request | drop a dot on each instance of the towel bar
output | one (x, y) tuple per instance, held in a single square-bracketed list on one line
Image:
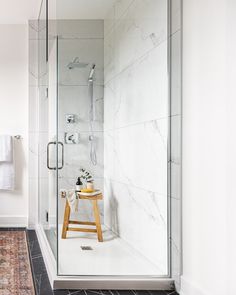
[(17, 137)]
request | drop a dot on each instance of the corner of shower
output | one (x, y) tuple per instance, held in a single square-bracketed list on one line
[(105, 160)]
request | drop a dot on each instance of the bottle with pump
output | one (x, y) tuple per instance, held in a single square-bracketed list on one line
[(79, 185)]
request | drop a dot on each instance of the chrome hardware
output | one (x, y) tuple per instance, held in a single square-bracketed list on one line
[(70, 118), (17, 137), (71, 137)]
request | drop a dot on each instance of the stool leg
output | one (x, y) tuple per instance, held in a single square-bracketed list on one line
[(97, 220), (66, 220)]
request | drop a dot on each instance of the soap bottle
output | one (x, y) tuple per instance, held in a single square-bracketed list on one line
[(79, 185)]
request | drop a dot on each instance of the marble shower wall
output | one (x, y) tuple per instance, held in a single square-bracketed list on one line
[(83, 39), (136, 126)]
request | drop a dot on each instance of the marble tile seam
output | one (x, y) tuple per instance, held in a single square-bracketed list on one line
[(136, 124), (118, 20), (137, 187), (135, 61)]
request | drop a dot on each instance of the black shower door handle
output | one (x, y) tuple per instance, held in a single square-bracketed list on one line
[(62, 157)]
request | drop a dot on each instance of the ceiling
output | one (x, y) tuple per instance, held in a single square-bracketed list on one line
[(18, 11)]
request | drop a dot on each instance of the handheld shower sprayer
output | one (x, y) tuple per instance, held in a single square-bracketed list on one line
[(90, 79)]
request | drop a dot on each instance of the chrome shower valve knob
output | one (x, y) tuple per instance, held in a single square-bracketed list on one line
[(91, 137), (70, 118), (71, 137)]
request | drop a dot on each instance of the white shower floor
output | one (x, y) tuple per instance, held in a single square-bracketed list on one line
[(111, 257)]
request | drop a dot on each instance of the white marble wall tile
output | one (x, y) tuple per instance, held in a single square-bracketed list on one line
[(42, 65), (89, 51), (110, 54), (137, 155), (80, 29), (77, 156), (118, 9), (143, 101), (109, 22), (33, 29), (33, 80), (33, 155), (140, 29), (121, 7), (33, 57), (109, 103), (33, 109), (43, 110), (42, 154), (175, 15), (76, 100), (129, 211), (136, 125)]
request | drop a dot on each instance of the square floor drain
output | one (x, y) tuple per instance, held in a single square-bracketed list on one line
[(86, 248)]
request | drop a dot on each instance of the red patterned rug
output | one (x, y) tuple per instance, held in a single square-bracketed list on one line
[(15, 270)]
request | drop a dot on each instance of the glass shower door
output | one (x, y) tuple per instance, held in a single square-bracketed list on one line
[(49, 148)]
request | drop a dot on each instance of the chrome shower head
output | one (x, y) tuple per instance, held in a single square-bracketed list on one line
[(76, 64)]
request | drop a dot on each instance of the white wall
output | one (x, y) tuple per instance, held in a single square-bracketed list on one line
[(209, 147), (14, 117)]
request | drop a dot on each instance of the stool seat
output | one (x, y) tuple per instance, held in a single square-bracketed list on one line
[(94, 199)]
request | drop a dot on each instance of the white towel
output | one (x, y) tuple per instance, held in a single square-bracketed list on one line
[(6, 148), (72, 200), (7, 169)]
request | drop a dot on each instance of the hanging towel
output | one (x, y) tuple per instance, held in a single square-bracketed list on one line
[(72, 200), (6, 148), (7, 169)]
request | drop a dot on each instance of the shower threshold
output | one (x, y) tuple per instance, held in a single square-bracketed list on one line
[(97, 282)]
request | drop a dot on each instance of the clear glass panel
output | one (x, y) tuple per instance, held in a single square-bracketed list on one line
[(113, 110), (47, 130)]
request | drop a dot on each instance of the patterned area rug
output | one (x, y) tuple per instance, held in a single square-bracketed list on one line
[(15, 270)]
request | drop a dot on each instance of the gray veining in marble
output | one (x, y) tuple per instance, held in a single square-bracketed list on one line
[(136, 126)]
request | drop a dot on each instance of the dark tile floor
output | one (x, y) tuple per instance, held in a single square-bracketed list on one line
[(42, 284)]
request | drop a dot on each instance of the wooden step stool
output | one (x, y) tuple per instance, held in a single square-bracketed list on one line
[(97, 222)]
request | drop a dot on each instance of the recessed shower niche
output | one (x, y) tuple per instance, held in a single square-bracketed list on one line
[(105, 158)]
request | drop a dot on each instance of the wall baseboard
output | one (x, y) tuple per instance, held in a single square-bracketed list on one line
[(13, 221), (188, 288)]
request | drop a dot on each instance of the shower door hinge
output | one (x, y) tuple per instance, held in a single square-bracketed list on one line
[(46, 93), (47, 216)]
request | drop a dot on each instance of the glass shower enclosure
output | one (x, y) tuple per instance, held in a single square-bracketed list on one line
[(104, 136)]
